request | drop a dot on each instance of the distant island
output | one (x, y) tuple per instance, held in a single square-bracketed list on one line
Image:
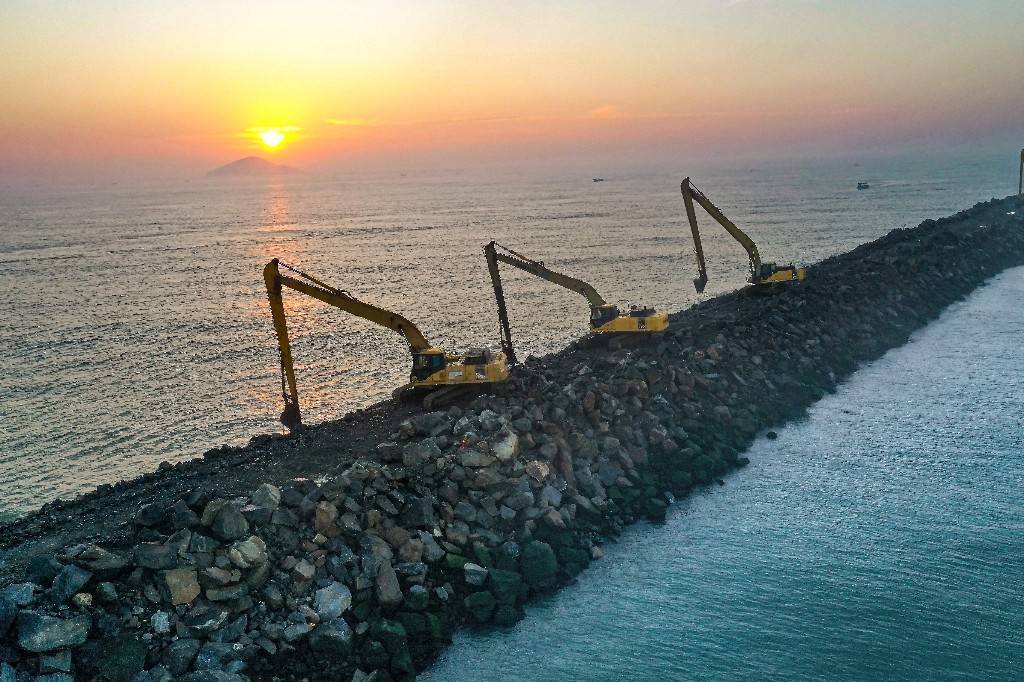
[(251, 166)]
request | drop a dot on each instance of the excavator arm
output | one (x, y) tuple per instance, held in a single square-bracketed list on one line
[(691, 194), (1020, 178), (306, 284), (517, 260)]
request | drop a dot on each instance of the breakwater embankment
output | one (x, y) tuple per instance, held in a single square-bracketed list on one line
[(405, 526)]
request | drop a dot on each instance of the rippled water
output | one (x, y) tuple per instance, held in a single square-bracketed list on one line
[(135, 327), (881, 538)]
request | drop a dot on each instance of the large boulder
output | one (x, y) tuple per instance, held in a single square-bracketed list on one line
[(40, 633), (479, 606), (229, 523), (538, 564)]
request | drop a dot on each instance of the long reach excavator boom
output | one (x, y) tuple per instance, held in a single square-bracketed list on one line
[(432, 367), (760, 273), (604, 317)]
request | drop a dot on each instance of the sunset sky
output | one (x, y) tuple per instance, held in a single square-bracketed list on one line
[(89, 85)]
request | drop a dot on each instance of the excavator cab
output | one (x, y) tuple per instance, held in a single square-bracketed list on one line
[(601, 315), (427, 363)]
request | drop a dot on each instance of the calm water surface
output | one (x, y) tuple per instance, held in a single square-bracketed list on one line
[(135, 326), (880, 538)]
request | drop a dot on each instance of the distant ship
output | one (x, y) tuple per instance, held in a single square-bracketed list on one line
[(863, 185), (598, 179)]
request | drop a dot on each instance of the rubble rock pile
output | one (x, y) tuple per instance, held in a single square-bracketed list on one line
[(461, 516)]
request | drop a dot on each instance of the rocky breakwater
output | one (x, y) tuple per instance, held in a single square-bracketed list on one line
[(461, 516)]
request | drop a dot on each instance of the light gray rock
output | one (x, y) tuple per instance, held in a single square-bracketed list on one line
[(389, 592), (332, 601), (248, 553), (474, 574), (20, 594), (39, 633), (267, 496)]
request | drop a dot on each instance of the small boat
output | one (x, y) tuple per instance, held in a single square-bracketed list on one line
[(598, 179), (863, 185)]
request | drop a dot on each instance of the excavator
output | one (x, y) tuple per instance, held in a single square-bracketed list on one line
[(605, 317), (442, 376), (761, 274)]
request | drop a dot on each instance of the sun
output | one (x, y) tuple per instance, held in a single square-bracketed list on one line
[(272, 138)]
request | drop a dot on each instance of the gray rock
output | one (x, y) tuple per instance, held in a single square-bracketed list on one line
[(506, 448), (179, 655), (55, 677), (332, 640), (551, 495), (420, 452), (39, 633), (68, 582), (465, 511), (8, 612), (202, 544), (267, 496), (106, 593), (203, 620), (42, 569), (161, 622), (331, 601), (97, 559), (418, 512), (303, 571), (474, 574), (20, 594), (471, 457), (296, 631), (248, 553), (149, 515), (432, 552), (7, 673), (389, 592), (57, 662), (155, 556), (229, 524)]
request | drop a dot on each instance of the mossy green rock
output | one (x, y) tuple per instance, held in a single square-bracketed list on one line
[(505, 585), (434, 626), (454, 562), (375, 655), (480, 606), (415, 624), (538, 564), (390, 632)]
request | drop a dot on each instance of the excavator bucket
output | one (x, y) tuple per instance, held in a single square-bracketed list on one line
[(700, 282), (291, 418)]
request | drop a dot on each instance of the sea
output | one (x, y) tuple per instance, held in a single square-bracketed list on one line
[(135, 327)]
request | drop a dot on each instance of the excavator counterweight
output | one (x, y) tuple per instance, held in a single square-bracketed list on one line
[(434, 370), (760, 273), (604, 317)]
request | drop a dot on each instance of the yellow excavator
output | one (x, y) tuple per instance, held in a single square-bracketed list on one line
[(443, 376), (605, 317), (761, 274)]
